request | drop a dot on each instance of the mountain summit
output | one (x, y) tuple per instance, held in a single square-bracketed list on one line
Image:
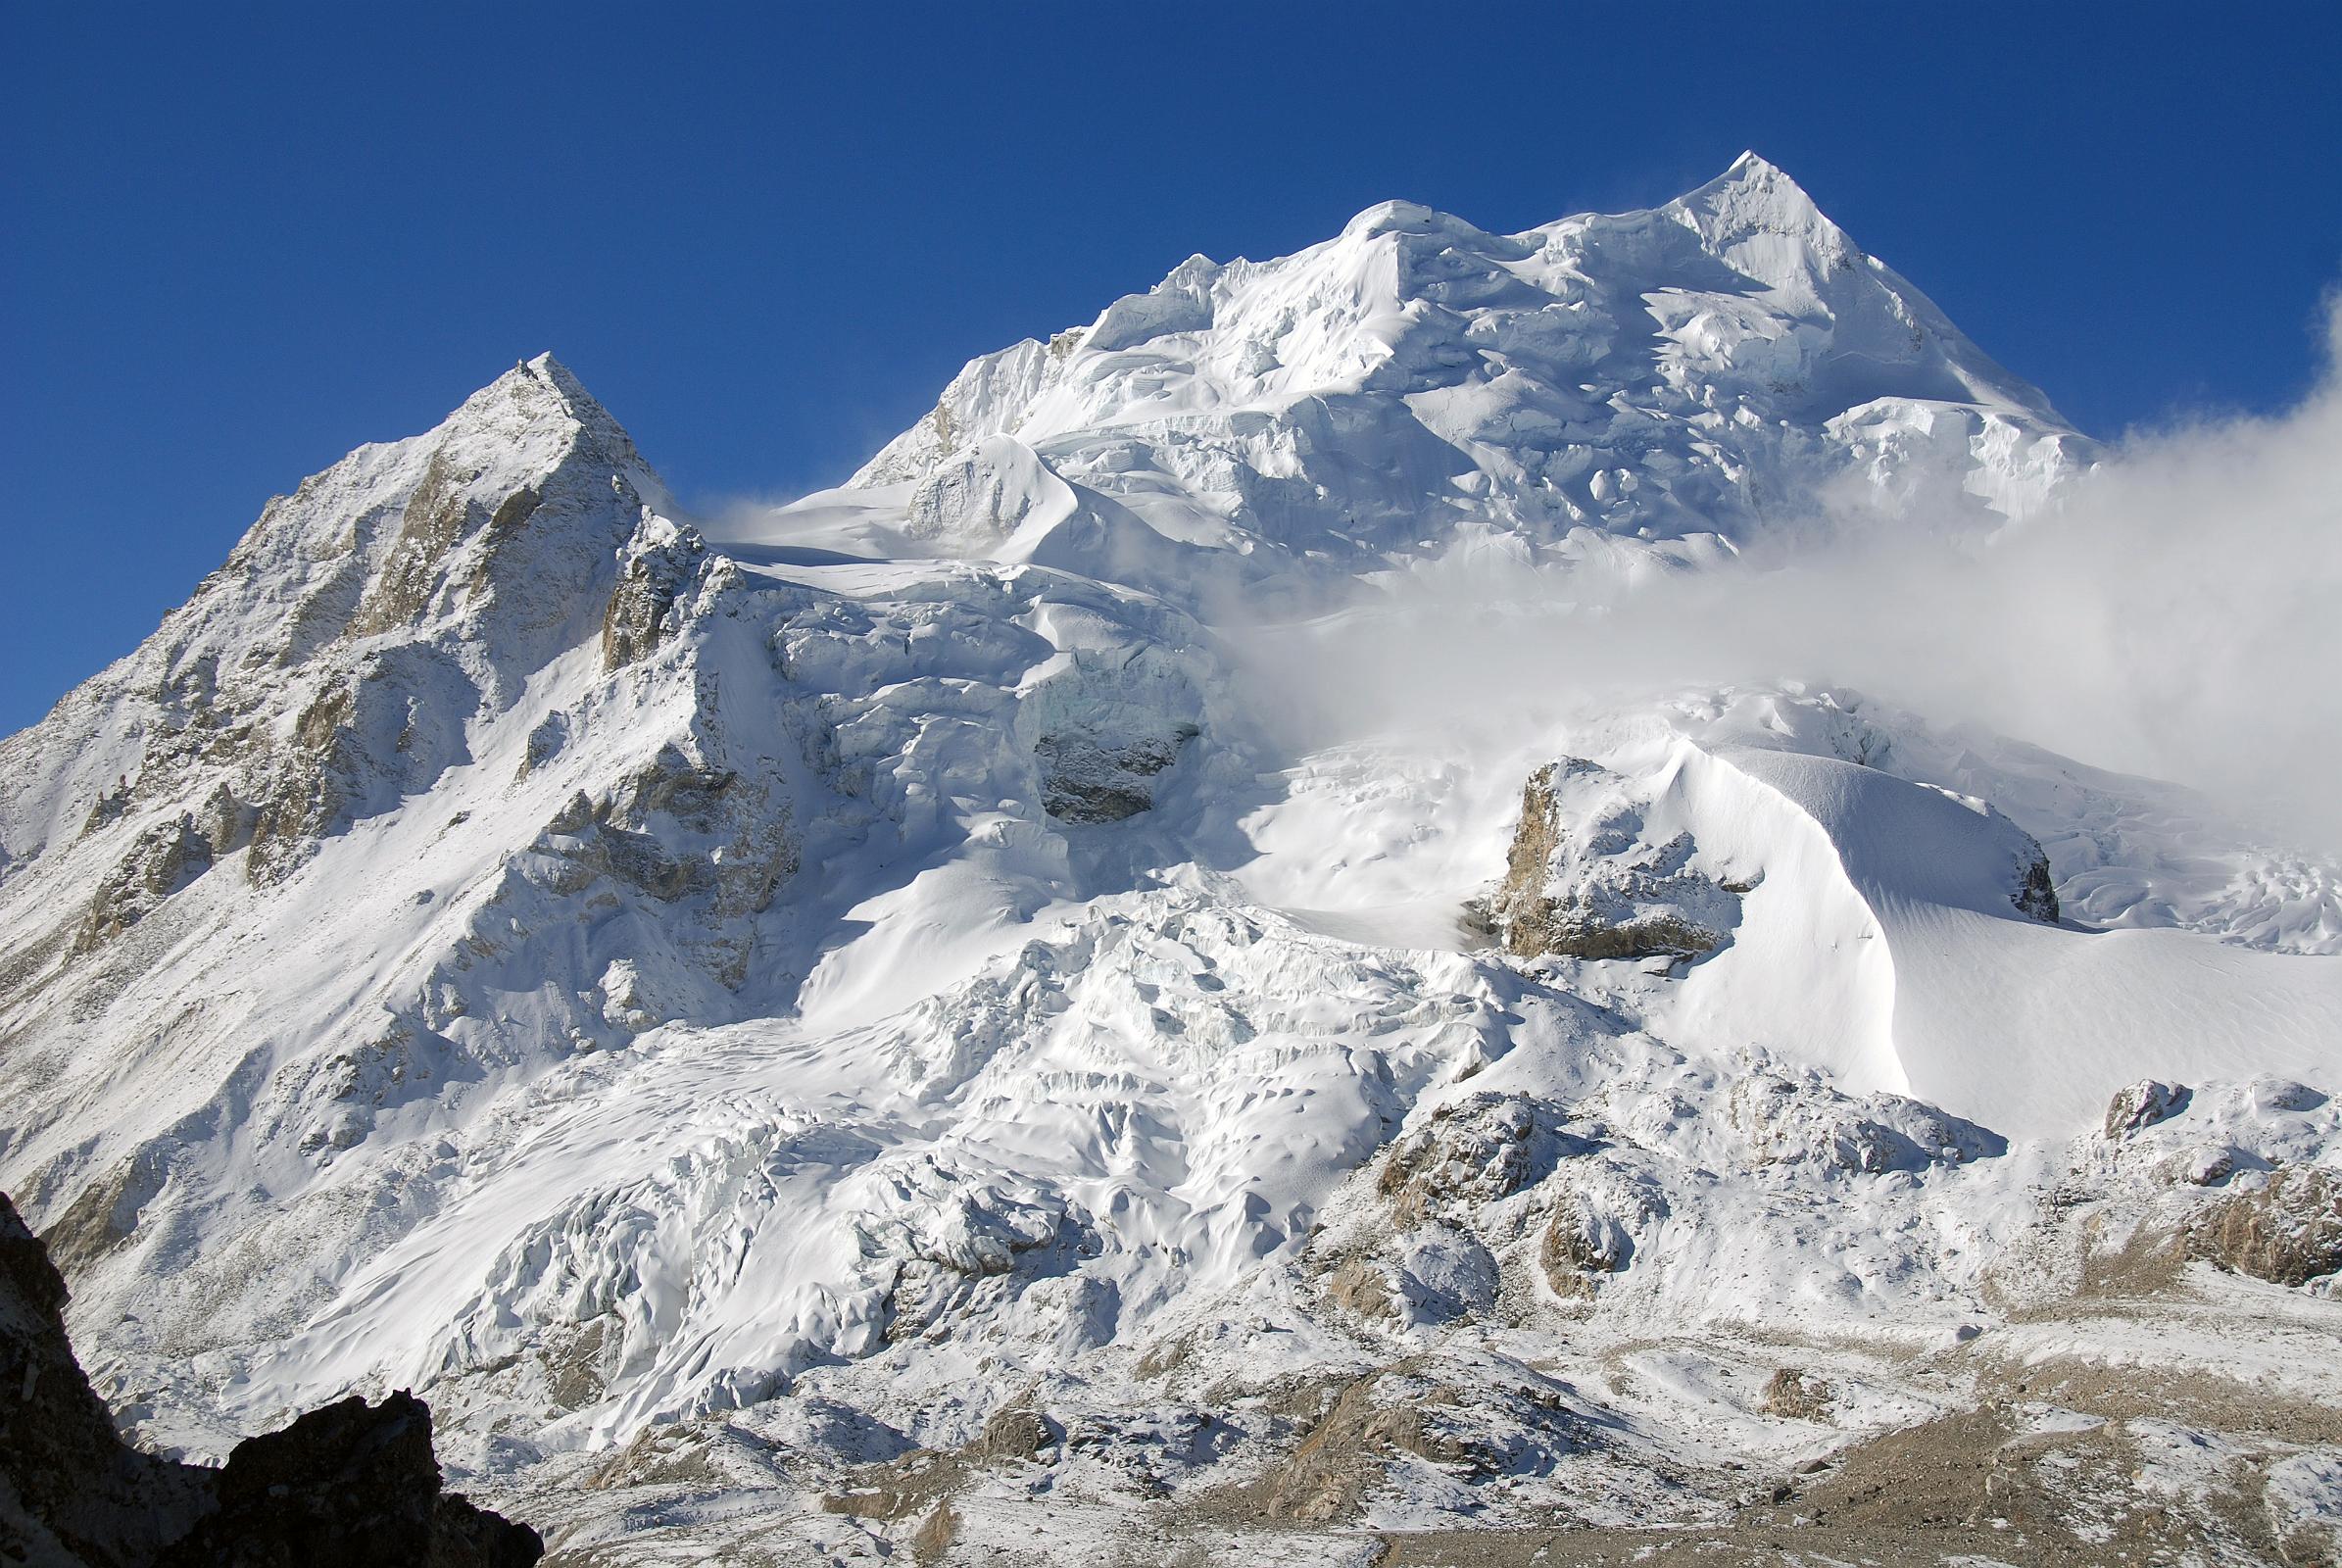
[(1417, 380), (868, 1029)]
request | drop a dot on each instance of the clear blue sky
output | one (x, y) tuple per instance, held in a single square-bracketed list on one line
[(241, 239)]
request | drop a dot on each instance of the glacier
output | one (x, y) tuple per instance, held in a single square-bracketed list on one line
[(860, 1027)]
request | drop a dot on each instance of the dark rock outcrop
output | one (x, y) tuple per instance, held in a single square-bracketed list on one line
[(653, 570), (1578, 1247), (1018, 1432), (70, 1490), (353, 1484), (1478, 1151), (2037, 893), (1085, 780)]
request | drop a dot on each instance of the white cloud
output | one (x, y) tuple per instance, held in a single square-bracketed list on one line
[(2178, 615)]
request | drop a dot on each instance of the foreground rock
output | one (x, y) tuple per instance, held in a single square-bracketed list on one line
[(352, 1484), (69, 1489)]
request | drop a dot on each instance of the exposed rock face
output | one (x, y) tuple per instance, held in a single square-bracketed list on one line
[(105, 1213), (307, 793), (2143, 1105), (1803, 1120), (327, 669), (1107, 728), (1487, 1147), (2289, 1231), (351, 1484), (1085, 781), (1359, 1285), (1583, 879), (1579, 1246), (1327, 1474), (1017, 1432), (680, 826), (653, 568), (1405, 1417), (163, 860), (2036, 892)]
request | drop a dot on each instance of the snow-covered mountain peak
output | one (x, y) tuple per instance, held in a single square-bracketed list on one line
[(1671, 379), (540, 414), (1409, 218), (887, 977), (336, 661), (1755, 196)]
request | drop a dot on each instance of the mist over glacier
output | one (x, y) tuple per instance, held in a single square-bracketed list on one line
[(2173, 612)]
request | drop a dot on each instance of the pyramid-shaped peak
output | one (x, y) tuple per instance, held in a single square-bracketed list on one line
[(542, 388), (1760, 219), (548, 369), (536, 414), (1754, 195), (546, 374), (1752, 164)]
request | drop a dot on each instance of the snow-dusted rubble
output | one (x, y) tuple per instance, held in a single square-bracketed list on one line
[(854, 1029)]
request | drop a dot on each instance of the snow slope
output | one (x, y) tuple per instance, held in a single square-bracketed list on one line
[(782, 994)]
